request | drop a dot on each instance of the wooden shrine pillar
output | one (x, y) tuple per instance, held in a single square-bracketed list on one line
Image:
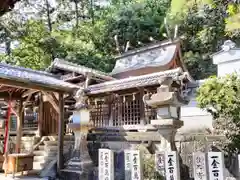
[(60, 133), (40, 116), (20, 119)]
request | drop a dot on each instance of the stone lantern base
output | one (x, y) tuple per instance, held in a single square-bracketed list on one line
[(80, 160), (167, 128)]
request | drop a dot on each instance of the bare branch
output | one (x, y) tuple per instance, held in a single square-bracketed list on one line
[(118, 49), (127, 46)]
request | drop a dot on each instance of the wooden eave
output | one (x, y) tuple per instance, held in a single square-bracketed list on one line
[(71, 68), (19, 77), (132, 82)]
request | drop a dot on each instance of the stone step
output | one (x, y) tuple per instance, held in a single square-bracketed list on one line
[(41, 147), (39, 153), (55, 148), (55, 143), (44, 160), (66, 137), (38, 165)]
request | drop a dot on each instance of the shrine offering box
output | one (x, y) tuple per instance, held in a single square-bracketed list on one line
[(19, 163)]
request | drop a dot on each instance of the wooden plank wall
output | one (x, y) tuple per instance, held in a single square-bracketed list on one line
[(50, 120)]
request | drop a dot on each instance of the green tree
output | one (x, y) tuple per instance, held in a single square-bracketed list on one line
[(221, 97), (32, 51)]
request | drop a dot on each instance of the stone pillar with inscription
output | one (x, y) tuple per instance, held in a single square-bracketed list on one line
[(216, 166), (105, 164), (200, 166), (136, 165), (167, 101), (160, 163), (172, 165), (127, 164)]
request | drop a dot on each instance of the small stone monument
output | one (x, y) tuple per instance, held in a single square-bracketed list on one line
[(200, 166), (160, 163), (105, 164), (172, 165), (127, 164), (216, 166), (136, 165)]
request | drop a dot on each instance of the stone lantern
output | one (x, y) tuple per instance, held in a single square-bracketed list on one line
[(167, 102), (80, 126)]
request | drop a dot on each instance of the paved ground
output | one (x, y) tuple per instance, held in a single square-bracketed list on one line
[(9, 177)]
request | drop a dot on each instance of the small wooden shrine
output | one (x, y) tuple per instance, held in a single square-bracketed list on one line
[(24, 89), (138, 103)]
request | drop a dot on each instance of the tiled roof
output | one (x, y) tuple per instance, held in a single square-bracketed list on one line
[(40, 78), (65, 65), (132, 82), (154, 55)]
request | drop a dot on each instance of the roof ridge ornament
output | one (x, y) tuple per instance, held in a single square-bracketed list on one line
[(227, 45)]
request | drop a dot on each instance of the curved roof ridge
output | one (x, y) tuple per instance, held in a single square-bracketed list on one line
[(66, 65)]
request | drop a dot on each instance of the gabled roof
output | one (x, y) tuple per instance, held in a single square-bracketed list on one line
[(36, 78), (132, 82), (157, 54), (155, 57), (68, 66)]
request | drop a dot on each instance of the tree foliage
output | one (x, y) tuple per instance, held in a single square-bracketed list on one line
[(221, 98), (83, 32)]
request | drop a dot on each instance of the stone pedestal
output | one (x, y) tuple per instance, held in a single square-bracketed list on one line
[(167, 129), (80, 160)]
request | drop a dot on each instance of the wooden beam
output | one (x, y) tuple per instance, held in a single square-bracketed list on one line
[(29, 93), (60, 133), (14, 96), (124, 136), (20, 117), (27, 85), (51, 100)]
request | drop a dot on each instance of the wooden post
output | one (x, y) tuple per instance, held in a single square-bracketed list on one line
[(60, 133), (40, 116), (20, 118), (142, 107)]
